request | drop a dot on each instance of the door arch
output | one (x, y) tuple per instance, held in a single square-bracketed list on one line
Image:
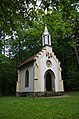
[(49, 81)]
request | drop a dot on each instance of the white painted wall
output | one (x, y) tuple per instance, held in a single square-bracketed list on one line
[(31, 77), (44, 68)]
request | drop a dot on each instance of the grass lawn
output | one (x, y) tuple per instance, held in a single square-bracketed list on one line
[(40, 108)]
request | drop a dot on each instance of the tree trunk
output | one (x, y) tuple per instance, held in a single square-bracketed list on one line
[(77, 55)]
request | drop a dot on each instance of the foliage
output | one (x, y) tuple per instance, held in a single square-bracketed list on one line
[(13, 13), (26, 42), (7, 76), (36, 108)]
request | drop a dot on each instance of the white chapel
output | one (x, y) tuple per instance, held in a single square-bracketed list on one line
[(40, 75)]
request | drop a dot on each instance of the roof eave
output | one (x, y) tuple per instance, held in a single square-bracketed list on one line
[(26, 63)]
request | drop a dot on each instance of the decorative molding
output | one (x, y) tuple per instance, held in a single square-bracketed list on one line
[(49, 55)]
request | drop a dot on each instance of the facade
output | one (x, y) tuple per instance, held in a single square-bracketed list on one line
[(40, 75)]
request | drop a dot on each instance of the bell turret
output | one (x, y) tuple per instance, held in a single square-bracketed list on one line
[(46, 39)]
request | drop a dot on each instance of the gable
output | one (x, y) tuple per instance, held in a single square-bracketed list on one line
[(46, 54)]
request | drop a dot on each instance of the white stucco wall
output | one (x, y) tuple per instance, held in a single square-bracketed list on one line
[(39, 85), (44, 68), (22, 79)]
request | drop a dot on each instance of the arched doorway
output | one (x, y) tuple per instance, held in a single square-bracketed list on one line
[(49, 81)]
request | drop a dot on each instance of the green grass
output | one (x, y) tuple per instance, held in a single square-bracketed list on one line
[(40, 108)]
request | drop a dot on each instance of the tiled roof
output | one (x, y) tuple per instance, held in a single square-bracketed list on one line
[(29, 60)]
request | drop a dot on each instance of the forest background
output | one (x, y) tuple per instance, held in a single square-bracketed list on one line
[(21, 26)]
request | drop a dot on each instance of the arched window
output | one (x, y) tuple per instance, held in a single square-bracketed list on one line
[(27, 78)]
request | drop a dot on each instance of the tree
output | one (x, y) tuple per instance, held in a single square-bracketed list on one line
[(7, 76), (12, 13)]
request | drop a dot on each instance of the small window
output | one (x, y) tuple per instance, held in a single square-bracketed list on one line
[(27, 78), (48, 63)]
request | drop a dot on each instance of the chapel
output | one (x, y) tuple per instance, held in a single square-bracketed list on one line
[(40, 75)]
